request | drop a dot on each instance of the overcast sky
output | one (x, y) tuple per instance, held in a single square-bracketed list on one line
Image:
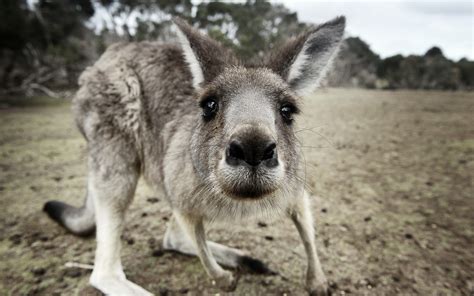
[(406, 27)]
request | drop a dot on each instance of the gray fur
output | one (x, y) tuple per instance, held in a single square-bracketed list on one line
[(138, 109)]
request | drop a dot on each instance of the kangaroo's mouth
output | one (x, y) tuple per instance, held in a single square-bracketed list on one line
[(248, 192), (244, 184)]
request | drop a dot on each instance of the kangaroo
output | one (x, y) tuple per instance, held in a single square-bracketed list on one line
[(214, 133)]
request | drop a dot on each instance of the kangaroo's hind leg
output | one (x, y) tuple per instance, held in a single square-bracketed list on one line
[(113, 173)]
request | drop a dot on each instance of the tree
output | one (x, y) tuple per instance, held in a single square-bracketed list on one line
[(36, 41), (149, 18), (251, 28)]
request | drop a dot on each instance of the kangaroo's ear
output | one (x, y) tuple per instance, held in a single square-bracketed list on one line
[(304, 60), (206, 57)]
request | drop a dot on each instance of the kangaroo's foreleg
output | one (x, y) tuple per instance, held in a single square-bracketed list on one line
[(177, 240), (316, 282), (194, 228)]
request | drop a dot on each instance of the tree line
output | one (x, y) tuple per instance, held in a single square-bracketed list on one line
[(45, 44)]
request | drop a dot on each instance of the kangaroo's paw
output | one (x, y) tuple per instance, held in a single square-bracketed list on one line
[(317, 287), (227, 281), (116, 286)]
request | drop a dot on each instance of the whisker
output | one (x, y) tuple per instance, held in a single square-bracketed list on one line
[(325, 138)]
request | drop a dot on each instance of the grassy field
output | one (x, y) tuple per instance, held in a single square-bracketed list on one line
[(391, 175)]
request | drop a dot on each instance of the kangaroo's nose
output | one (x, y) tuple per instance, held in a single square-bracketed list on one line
[(252, 152)]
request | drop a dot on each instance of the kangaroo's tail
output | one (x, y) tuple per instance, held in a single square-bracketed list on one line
[(79, 221)]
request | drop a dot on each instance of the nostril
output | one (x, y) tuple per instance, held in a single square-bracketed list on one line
[(269, 152), (236, 150)]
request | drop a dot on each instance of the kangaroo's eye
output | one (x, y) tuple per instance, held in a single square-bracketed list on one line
[(286, 112), (209, 108)]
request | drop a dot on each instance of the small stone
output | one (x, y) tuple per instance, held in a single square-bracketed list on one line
[(429, 183), (73, 272), (344, 227), (151, 241), (326, 243), (262, 224), (152, 200), (38, 271), (367, 219), (324, 210), (269, 238), (144, 214), (408, 236), (163, 292), (130, 241), (48, 246), (16, 239), (427, 245), (12, 223), (265, 282), (370, 283), (57, 179), (35, 244), (157, 253)]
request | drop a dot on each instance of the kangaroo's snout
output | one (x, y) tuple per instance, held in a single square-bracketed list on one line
[(251, 151), (251, 145)]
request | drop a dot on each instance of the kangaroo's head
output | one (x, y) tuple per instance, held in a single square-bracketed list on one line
[(244, 145)]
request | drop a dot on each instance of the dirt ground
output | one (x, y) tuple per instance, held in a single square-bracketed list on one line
[(391, 175)]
